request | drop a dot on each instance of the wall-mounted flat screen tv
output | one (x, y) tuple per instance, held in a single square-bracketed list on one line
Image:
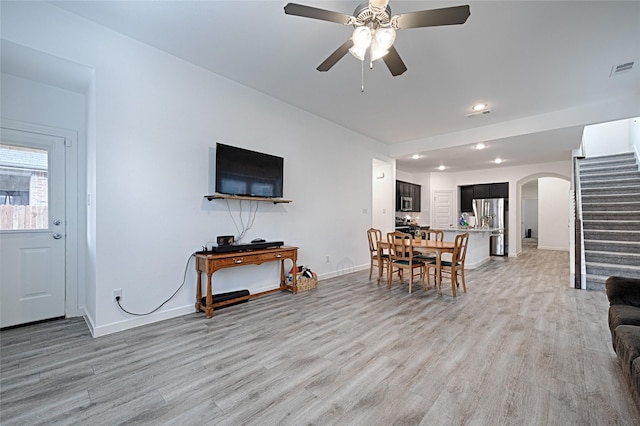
[(248, 173)]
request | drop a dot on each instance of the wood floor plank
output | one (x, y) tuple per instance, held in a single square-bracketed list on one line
[(519, 348)]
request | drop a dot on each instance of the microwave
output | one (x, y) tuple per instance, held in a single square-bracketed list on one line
[(406, 204)]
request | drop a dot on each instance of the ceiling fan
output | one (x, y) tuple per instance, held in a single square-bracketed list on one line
[(374, 29)]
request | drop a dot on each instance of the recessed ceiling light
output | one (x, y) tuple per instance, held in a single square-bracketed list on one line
[(480, 146), (442, 167), (479, 107), (498, 160), (416, 156)]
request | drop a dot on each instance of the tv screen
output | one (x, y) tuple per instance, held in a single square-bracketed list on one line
[(248, 173)]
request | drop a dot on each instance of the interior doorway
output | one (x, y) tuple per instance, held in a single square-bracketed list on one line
[(383, 193), (529, 229), (549, 195)]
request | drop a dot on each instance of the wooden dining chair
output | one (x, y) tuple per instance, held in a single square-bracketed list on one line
[(432, 235), (402, 258), (454, 268), (379, 258)]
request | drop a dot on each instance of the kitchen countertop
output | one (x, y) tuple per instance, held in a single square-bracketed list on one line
[(463, 229)]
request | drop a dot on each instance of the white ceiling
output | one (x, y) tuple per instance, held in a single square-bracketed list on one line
[(529, 60)]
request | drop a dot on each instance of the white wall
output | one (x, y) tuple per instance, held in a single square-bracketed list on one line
[(634, 136), (152, 122), (607, 138), (553, 214), (383, 202)]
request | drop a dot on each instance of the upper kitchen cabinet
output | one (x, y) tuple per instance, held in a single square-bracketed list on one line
[(482, 191), (486, 190), (407, 196), (415, 195), (466, 199), (500, 190)]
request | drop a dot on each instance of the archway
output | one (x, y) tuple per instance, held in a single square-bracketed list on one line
[(519, 184)]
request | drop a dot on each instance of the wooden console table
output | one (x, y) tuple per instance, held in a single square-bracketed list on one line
[(212, 262)]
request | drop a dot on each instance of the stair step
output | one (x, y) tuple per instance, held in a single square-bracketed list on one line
[(606, 216), (609, 183), (595, 282), (611, 207), (597, 234), (611, 198), (611, 225), (608, 169), (612, 190), (612, 246), (587, 177), (607, 162), (606, 269), (625, 156), (627, 259)]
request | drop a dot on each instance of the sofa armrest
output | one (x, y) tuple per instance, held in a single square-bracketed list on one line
[(623, 291)]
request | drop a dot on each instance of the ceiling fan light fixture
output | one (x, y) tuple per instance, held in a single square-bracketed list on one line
[(358, 52), (385, 37), (361, 37), (377, 53)]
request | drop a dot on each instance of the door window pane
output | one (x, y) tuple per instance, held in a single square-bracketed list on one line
[(24, 188)]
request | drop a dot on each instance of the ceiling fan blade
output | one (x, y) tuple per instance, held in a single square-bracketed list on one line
[(394, 62), (335, 56), (315, 13), (434, 17)]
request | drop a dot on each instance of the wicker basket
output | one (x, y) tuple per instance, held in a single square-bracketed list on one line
[(304, 283)]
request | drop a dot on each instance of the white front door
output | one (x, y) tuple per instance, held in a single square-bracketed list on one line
[(32, 227), (443, 216)]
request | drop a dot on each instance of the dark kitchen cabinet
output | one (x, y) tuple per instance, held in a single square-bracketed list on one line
[(482, 191), (402, 190), (411, 190), (415, 195), (500, 190), (486, 190), (466, 199)]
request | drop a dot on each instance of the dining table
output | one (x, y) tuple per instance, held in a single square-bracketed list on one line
[(423, 245)]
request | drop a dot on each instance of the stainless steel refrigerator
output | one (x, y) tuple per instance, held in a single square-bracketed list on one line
[(492, 213)]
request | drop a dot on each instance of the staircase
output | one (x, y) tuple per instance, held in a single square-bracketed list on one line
[(610, 191)]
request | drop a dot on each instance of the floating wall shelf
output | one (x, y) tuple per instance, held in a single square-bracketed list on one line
[(239, 197)]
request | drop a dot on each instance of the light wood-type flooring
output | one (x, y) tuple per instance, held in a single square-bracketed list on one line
[(520, 348)]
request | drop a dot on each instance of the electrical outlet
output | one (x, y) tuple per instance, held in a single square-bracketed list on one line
[(328, 259), (117, 293)]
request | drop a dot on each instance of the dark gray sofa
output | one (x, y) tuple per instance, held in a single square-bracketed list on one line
[(624, 323)]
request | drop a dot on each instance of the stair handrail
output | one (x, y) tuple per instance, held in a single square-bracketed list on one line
[(579, 260)]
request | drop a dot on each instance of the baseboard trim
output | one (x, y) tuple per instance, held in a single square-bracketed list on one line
[(137, 322), (553, 248)]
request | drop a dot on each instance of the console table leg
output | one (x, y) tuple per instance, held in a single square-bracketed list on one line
[(198, 289), (209, 307)]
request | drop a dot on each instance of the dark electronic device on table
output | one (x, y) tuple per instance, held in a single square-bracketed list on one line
[(242, 247)]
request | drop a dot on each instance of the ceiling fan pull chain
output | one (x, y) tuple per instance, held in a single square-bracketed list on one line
[(362, 76)]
